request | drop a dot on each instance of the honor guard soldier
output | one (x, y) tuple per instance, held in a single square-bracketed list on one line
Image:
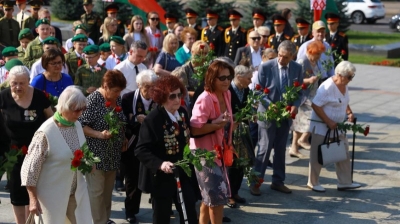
[(91, 20), (303, 35), (275, 39), (191, 17), (336, 39), (9, 27), (258, 20), (75, 59), (213, 34), (23, 12), (235, 36), (89, 75), (170, 21), (25, 36), (8, 54), (34, 50), (31, 20), (112, 11)]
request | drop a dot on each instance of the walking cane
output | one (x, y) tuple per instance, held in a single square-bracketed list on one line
[(352, 153), (178, 185)]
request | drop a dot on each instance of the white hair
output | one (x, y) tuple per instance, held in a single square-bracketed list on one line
[(70, 99), (263, 29), (345, 68), (146, 76), (241, 70), (18, 71)]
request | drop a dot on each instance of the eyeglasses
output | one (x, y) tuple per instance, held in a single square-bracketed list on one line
[(264, 36), (174, 96), (255, 38), (225, 77), (80, 110), (155, 19), (350, 77), (56, 63)]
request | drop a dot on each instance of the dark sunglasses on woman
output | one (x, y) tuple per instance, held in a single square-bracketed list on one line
[(174, 96), (225, 77)]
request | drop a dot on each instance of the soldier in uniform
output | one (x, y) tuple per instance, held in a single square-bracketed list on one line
[(258, 20), (91, 20), (23, 12), (275, 39), (9, 27), (234, 36), (170, 21), (112, 11), (336, 39), (74, 59), (191, 17), (24, 37), (89, 75), (8, 54), (34, 49), (213, 34), (31, 20), (303, 35)]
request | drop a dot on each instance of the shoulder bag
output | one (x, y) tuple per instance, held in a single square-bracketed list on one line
[(331, 152)]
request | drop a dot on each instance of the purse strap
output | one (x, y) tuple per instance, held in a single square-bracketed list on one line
[(326, 139)]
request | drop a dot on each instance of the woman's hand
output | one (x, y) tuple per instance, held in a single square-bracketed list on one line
[(140, 118), (104, 135), (350, 117), (313, 79), (34, 206), (222, 119), (331, 124), (125, 145), (166, 167)]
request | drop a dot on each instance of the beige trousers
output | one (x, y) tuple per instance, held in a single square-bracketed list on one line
[(343, 168), (100, 186)]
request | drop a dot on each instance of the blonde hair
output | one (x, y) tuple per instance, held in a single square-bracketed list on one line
[(170, 37), (106, 34), (196, 50), (133, 20)]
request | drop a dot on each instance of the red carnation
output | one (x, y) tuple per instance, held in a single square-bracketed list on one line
[(157, 35), (24, 150), (118, 109), (212, 46), (343, 52), (266, 90), (79, 62), (201, 46), (258, 87), (366, 131), (296, 83), (293, 115), (78, 154), (288, 107), (304, 86), (76, 162), (108, 104)]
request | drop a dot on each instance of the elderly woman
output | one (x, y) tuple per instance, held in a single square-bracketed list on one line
[(52, 80), (166, 61), (135, 105), (212, 124), (163, 136), (330, 106), (188, 36), (104, 145), (54, 189), (24, 109), (155, 37), (301, 125)]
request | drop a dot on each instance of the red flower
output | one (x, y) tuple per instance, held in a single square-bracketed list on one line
[(343, 52), (24, 150), (296, 83), (78, 154), (258, 87), (157, 35), (218, 149), (304, 86), (288, 108), (261, 180), (79, 62), (293, 115), (257, 185), (15, 147), (212, 46), (118, 109), (366, 131), (266, 90), (46, 94), (201, 46), (333, 45), (76, 162), (182, 102), (108, 104)]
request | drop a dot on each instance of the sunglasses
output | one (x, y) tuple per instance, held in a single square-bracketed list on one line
[(350, 77), (225, 77), (80, 109), (174, 96), (255, 38), (155, 19)]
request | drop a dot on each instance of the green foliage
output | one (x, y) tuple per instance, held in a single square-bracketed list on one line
[(269, 9), (9, 160), (195, 158), (303, 10), (204, 62), (67, 10), (87, 161), (220, 8), (124, 12), (175, 7), (344, 23)]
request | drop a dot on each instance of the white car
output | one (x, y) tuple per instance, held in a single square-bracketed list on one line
[(365, 10)]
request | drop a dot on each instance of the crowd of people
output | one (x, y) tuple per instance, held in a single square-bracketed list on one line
[(147, 78)]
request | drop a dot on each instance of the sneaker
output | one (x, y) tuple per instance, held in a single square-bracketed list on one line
[(343, 187)]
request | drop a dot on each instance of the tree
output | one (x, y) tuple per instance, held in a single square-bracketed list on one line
[(124, 12), (344, 24), (67, 10), (220, 8), (269, 10), (175, 7)]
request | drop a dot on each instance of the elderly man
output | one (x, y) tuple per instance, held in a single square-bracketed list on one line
[(131, 67), (318, 31), (264, 32), (251, 53), (276, 75)]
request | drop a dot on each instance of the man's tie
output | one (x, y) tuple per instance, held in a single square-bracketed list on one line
[(22, 18), (137, 70), (284, 79), (332, 37)]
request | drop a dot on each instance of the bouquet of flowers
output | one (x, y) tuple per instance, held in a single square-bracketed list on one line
[(195, 158), (84, 160), (113, 121), (204, 62), (356, 128), (10, 159), (247, 112), (53, 99)]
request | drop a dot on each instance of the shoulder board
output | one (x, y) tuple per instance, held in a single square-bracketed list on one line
[(229, 28), (220, 28), (206, 28), (199, 27), (287, 36), (342, 34), (243, 30), (295, 36)]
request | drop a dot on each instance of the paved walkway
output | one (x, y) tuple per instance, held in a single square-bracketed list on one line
[(375, 99)]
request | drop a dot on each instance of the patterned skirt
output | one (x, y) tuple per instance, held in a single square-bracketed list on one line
[(302, 122)]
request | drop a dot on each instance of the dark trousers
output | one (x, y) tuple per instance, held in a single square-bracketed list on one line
[(130, 165), (235, 175), (254, 132)]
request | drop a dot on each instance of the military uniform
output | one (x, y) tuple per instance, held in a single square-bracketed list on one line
[(86, 76), (29, 22), (93, 22), (169, 18), (339, 44), (73, 62), (21, 53), (190, 13), (9, 30), (296, 39), (199, 29), (215, 37), (234, 39), (302, 25), (273, 42)]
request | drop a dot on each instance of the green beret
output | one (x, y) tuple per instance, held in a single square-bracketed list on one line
[(81, 26), (35, 4), (80, 38), (105, 47), (51, 40), (117, 39), (13, 62), (42, 21), (9, 51), (91, 49), (25, 33)]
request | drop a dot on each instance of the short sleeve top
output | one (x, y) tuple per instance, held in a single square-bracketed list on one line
[(54, 88), (167, 61)]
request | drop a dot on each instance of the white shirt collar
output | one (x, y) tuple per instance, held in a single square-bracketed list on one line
[(174, 117), (77, 54), (252, 50), (280, 66), (186, 49)]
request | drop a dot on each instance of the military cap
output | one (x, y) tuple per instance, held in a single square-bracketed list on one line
[(113, 8), (332, 17), (211, 13), (117, 39), (258, 14), (105, 47), (318, 25), (20, 1), (25, 33), (91, 49), (278, 19), (8, 4), (81, 26), (233, 14), (170, 18), (302, 23), (42, 21), (36, 4), (11, 63), (80, 38), (51, 40), (190, 13), (87, 2), (9, 51)]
